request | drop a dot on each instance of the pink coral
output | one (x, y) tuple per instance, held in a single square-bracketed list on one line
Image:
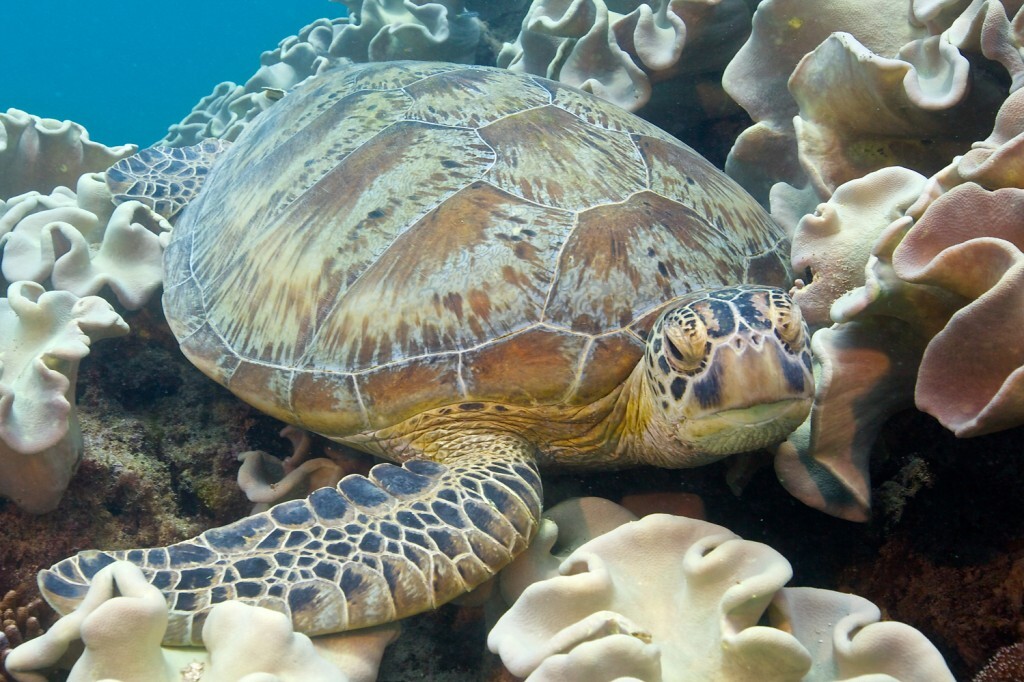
[(970, 242)]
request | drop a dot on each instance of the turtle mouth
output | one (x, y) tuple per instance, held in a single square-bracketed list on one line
[(743, 429), (763, 413)]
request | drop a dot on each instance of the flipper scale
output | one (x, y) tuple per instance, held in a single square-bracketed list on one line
[(402, 540)]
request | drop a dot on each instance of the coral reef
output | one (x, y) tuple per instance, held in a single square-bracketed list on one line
[(1006, 666), (266, 480), (43, 337), (619, 50), (863, 133), (226, 111), (378, 30), (58, 226), (710, 606), (858, 109), (41, 154), (942, 274), (969, 244), (79, 244), (79, 241), (841, 89), (386, 30), (20, 623), (123, 618)]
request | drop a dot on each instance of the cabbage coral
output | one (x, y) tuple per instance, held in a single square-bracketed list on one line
[(672, 598)]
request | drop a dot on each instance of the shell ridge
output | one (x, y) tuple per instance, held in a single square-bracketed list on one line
[(649, 170), (539, 324), (517, 112), (362, 403), (546, 86), (580, 366), (558, 266), (455, 69), (463, 391)]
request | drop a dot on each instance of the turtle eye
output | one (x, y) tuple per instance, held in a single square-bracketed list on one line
[(788, 321), (686, 340)]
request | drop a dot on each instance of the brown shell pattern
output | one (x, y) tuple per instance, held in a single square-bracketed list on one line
[(395, 237)]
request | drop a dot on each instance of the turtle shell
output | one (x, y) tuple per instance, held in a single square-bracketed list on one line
[(391, 238)]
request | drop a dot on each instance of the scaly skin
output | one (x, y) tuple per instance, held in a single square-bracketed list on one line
[(374, 549)]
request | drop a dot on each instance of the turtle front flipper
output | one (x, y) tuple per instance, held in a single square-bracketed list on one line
[(402, 540), (164, 178)]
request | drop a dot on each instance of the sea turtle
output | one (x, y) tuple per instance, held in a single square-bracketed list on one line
[(473, 273)]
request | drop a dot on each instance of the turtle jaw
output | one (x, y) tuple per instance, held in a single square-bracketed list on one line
[(744, 429)]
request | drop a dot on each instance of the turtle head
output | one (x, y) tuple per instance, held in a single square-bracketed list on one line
[(725, 371)]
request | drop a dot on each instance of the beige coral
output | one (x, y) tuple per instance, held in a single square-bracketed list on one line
[(43, 337), (618, 55), (267, 481), (970, 242), (833, 243), (226, 112), (379, 30), (386, 30), (838, 90), (122, 620), (42, 154), (930, 282), (672, 598), (860, 111), (936, 314), (864, 373), (80, 242)]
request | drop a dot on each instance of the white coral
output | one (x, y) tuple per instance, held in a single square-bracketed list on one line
[(839, 89), (43, 153), (123, 618), (379, 30), (43, 336), (79, 242), (227, 111), (387, 30), (615, 55), (672, 598)]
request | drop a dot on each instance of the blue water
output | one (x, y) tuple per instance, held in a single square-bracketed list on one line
[(127, 70)]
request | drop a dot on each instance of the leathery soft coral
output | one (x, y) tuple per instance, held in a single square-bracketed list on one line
[(378, 30), (839, 89), (672, 598), (226, 111), (42, 153), (935, 316), (58, 224), (618, 55), (79, 241), (122, 620), (385, 30), (43, 337)]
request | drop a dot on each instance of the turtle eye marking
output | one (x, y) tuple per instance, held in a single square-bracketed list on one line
[(789, 322), (686, 341)]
